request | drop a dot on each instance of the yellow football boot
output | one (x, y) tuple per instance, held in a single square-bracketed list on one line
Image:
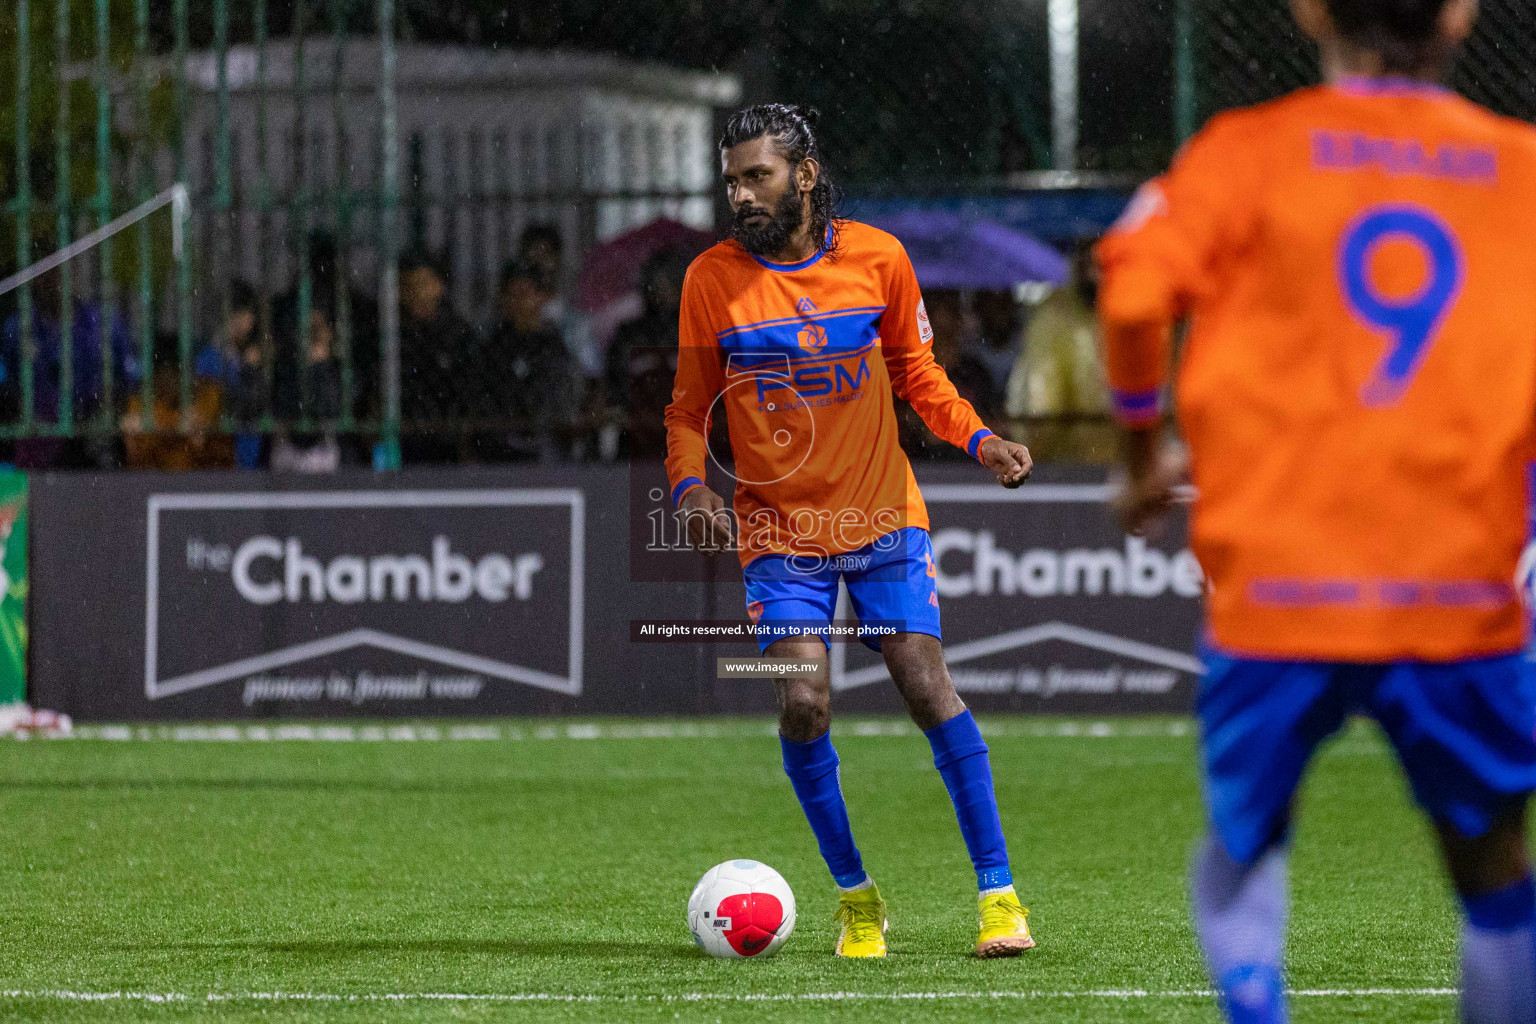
[(862, 914), (1004, 926)]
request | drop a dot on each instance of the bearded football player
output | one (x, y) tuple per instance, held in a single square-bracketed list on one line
[(799, 329)]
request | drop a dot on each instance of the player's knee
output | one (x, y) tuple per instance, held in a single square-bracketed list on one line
[(804, 716), (805, 710), (930, 696), (931, 708), (924, 683)]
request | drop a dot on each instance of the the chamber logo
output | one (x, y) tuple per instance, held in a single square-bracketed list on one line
[(244, 587), (1051, 602), (266, 570)]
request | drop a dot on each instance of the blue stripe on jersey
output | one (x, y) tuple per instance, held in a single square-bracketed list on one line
[(823, 336), (1136, 407), (799, 318)]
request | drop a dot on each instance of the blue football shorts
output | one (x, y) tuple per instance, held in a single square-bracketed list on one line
[(892, 583), (1464, 732)]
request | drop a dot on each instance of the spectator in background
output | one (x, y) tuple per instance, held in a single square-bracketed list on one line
[(308, 403), (642, 360), (1059, 372), (951, 328), (436, 351), (235, 359), (543, 245), (363, 314), (219, 358), (999, 336), (524, 372), (173, 439), (88, 389), (970, 376)]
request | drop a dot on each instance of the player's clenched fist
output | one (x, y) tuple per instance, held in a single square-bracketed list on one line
[(706, 520), (1010, 462)]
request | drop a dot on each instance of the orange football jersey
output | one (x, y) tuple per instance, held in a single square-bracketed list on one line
[(802, 360), (1358, 385)]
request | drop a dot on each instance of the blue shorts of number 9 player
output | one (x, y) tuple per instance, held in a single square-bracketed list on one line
[(891, 582), (1465, 733)]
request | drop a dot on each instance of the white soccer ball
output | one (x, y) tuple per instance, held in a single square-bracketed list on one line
[(741, 909)]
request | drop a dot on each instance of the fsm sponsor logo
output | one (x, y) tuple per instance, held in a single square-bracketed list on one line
[(811, 382)]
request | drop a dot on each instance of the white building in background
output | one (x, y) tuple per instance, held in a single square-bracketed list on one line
[(490, 141)]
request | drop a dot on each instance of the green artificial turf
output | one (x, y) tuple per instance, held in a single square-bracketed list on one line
[(532, 866)]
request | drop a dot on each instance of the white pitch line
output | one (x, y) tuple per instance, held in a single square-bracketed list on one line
[(66, 995)]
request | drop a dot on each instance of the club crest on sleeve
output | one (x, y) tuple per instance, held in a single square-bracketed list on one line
[(924, 328)]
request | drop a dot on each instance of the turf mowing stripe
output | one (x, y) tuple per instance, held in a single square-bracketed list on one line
[(65, 995), (416, 733)]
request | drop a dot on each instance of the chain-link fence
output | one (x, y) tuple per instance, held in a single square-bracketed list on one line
[(356, 213), (347, 168), (1237, 52)]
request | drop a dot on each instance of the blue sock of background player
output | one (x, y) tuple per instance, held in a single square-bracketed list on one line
[(1498, 956), (1240, 913), (1240, 917)]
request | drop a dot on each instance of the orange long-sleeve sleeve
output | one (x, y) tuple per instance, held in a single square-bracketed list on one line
[(906, 342), (700, 377), (1167, 251)]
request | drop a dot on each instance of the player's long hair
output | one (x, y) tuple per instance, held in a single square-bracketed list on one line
[(1405, 32), (793, 129)]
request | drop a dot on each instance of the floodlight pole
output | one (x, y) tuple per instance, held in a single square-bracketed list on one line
[(1062, 16), (388, 454), (1185, 102)]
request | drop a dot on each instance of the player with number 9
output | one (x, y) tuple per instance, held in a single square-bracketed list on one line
[(1357, 391)]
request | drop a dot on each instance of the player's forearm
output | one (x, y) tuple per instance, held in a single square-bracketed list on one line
[(695, 390), (1139, 449), (934, 398), (1136, 355)]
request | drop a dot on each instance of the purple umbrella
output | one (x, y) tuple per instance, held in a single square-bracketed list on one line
[(950, 251)]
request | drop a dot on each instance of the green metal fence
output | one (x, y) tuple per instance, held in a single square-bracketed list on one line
[(94, 83), (1236, 52), (278, 133), (280, 136)]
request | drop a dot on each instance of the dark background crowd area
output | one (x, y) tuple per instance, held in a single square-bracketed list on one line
[(529, 384)]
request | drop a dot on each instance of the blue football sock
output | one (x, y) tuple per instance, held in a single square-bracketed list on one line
[(1498, 956), (960, 755), (1240, 917), (812, 770)]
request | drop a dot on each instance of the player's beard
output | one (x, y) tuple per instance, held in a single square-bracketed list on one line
[(769, 238)]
